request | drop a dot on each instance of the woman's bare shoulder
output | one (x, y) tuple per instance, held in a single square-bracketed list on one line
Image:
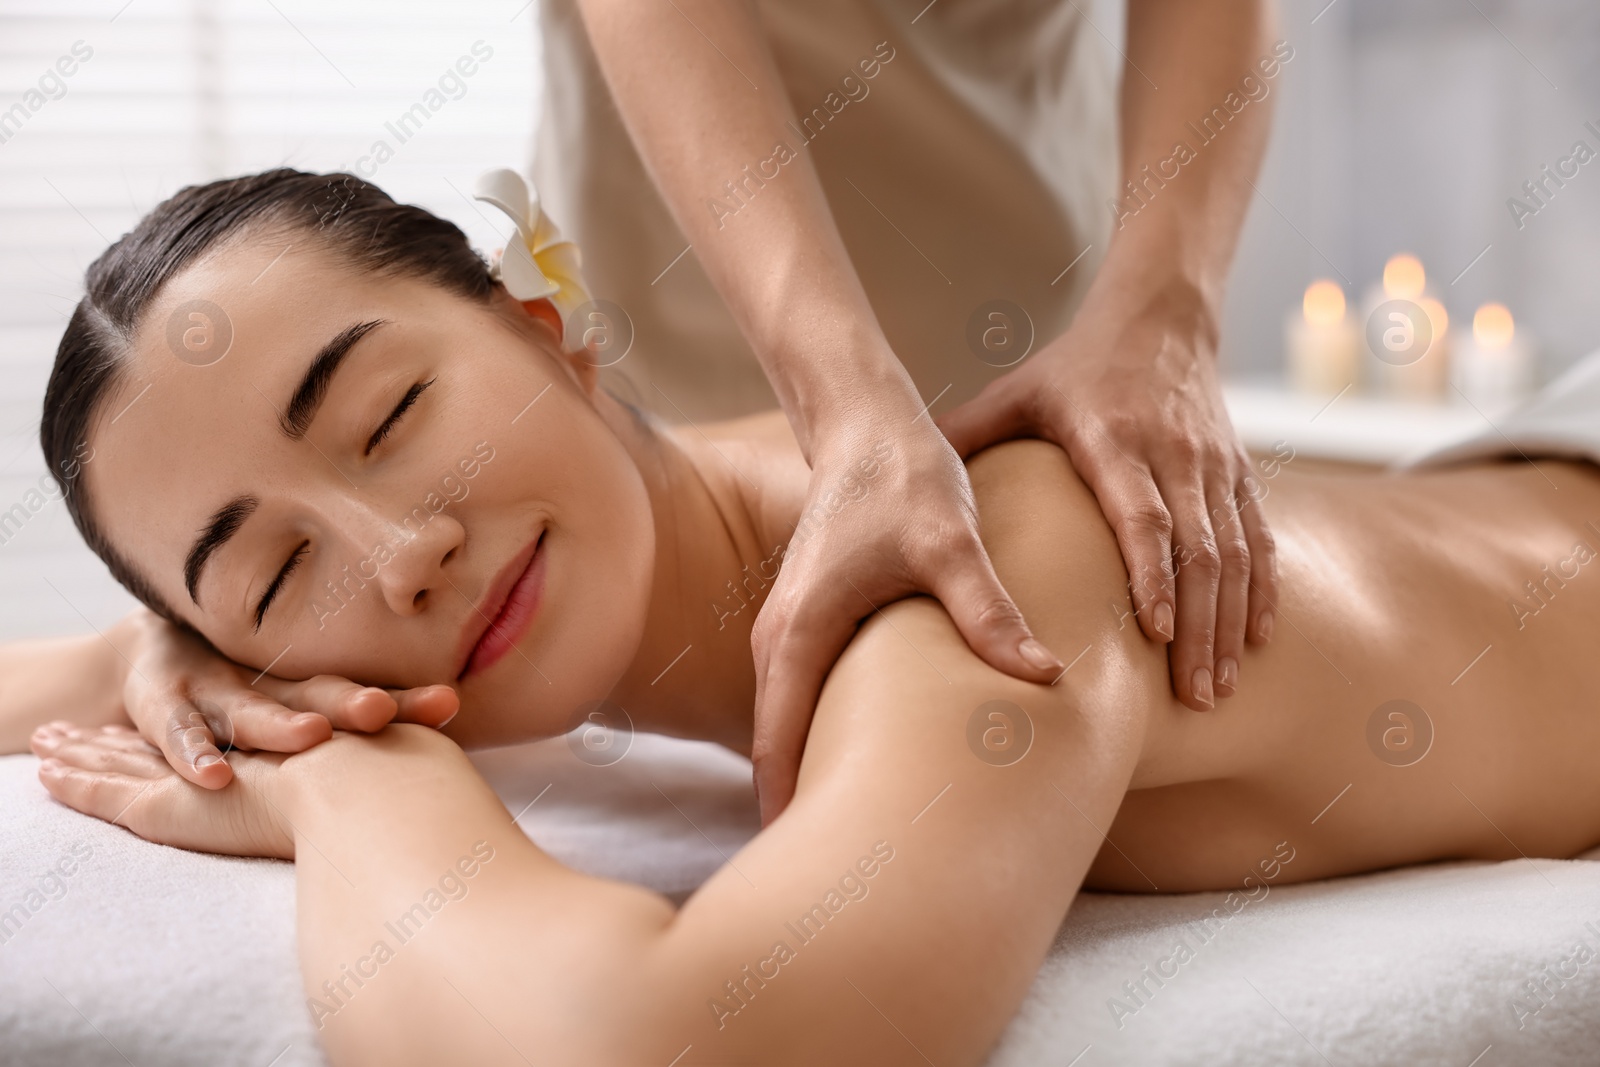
[(1056, 556), (1044, 529), (1007, 459), (1016, 477)]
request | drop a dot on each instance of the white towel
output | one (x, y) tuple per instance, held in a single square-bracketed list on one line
[(181, 959), (1562, 419)]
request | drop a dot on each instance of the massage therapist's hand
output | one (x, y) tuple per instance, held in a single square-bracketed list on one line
[(187, 699), (1130, 392), (889, 512)]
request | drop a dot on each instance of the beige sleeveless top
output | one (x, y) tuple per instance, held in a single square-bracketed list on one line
[(974, 166)]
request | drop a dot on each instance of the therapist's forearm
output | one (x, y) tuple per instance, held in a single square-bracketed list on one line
[(1185, 58), (700, 113)]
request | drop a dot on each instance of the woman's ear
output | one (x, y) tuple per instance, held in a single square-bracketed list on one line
[(582, 364), (544, 311)]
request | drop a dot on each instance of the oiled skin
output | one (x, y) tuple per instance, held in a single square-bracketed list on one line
[(1391, 587)]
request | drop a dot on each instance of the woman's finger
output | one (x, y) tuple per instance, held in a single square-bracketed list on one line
[(111, 734), (1233, 587), (428, 705), (245, 718), (346, 705), (106, 795), (100, 772), (274, 715), (1199, 566), (188, 739), (95, 751)]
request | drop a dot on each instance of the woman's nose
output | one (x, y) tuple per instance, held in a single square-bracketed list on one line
[(415, 572)]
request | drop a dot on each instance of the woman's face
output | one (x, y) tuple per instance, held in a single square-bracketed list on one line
[(355, 486)]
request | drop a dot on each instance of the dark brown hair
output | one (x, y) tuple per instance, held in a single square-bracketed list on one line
[(352, 218)]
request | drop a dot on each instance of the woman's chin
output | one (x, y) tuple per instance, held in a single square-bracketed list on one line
[(487, 723), (521, 698)]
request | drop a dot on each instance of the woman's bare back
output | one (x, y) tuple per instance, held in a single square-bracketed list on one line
[(1418, 701), (1429, 692)]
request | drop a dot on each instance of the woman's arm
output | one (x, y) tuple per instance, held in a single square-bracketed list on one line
[(895, 913), (186, 697), (78, 678), (949, 872)]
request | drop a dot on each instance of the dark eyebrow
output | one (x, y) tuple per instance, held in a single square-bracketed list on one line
[(223, 525), (296, 418)]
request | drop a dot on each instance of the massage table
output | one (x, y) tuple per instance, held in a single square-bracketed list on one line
[(150, 955)]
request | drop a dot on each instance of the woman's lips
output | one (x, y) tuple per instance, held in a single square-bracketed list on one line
[(516, 612)]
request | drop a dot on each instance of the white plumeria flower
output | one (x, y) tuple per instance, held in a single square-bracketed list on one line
[(542, 264)]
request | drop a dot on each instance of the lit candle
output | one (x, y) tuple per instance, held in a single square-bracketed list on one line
[(1494, 366), (1403, 277), (1324, 348), (1407, 333)]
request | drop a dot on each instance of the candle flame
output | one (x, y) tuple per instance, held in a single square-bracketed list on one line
[(1492, 326), (1403, 277), (1324, 303)]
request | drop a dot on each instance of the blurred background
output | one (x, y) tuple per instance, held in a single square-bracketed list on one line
[(1404, 136)]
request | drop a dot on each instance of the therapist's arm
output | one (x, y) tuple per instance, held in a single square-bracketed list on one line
[(699, 90), (1131, 390)]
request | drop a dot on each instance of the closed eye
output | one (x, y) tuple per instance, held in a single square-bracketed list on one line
[(277, 583), (394, 416)]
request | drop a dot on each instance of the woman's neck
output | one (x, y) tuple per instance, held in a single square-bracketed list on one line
[(725, 499)]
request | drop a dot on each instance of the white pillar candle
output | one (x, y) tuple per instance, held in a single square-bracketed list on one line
[(1494, 364), (1407, 334), (1323, 346)]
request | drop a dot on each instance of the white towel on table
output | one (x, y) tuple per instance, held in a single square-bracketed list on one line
[(1562, 419), (172, 958)]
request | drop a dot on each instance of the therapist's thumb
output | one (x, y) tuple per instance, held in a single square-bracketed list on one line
[(797, 638), (990, 621), (998, 413)]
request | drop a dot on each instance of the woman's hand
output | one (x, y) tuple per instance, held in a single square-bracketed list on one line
[(889, 513), (1130, 392), (112, 773), (186, 699)]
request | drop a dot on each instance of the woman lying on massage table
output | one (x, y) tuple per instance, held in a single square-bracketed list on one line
[(945, 815)]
